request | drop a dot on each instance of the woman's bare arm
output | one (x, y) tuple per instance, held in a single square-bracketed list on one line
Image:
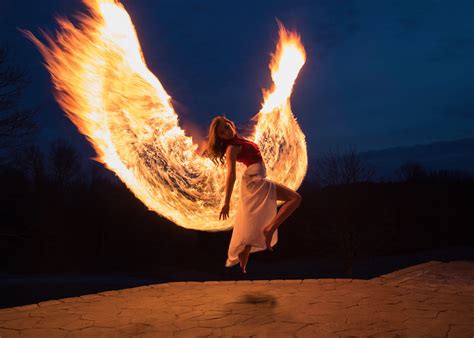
[(231, 156)]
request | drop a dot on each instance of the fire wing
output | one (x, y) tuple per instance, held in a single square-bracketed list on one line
[(102, 83)]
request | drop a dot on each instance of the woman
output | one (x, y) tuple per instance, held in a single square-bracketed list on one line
[(257, 220)]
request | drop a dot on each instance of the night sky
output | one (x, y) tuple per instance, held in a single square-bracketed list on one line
[(378, 73)]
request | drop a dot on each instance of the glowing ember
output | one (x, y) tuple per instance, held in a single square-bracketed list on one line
[(103, 84)]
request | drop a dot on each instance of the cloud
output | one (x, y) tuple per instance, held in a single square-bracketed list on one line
[(412, 15), (460, 110), (454, 48)]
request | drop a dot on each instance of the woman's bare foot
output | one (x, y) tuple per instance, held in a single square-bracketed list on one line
[(244, 257), (268, 233), (242, 267)]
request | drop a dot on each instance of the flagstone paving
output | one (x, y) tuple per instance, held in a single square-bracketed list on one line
[(433, 299)]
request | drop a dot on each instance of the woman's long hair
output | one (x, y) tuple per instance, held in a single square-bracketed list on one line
[(216, 146)]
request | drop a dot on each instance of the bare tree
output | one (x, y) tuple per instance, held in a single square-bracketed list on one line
[(65, 164), (354, 169), (335, 168), (411, 171), (16, 122), (327, 170), (31, 162)]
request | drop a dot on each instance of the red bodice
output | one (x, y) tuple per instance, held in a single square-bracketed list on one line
[(249, 153)]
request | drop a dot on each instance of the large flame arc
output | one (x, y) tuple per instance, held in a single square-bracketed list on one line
[(102, 83)]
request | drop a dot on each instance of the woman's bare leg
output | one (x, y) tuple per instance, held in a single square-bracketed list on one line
[(244, 258), (292, 201)]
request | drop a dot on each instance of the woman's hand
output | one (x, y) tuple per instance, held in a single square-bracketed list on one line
[(224, 212)]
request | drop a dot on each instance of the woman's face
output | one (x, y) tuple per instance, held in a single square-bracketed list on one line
[(225, 130)]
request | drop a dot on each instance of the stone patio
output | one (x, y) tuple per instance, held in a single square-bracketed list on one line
[(432, 299)]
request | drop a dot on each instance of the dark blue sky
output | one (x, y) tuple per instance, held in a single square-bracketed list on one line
[(378, 73)]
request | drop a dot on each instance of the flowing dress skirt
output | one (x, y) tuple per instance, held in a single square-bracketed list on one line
[(256, 208)]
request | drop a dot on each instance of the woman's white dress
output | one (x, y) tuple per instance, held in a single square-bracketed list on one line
[(256, 208)]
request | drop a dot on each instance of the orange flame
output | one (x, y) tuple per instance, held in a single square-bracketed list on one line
[(102, 83)]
